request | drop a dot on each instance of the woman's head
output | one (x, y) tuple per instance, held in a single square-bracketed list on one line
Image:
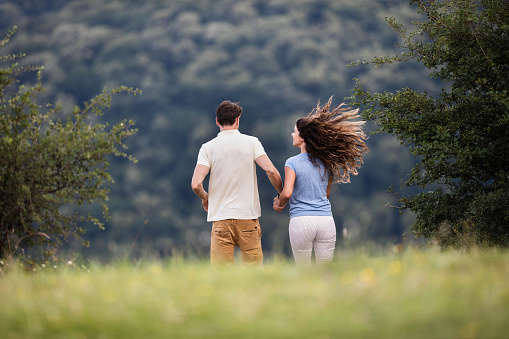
[(300, 125), (331, 136), (298, 141), (307, 129)]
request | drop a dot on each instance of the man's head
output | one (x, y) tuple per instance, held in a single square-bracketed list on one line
[(227, 113)]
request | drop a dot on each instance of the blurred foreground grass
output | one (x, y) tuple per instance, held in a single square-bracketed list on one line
[(413, 294)]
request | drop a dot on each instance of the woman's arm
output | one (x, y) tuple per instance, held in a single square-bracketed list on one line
[(287, 192), (282, 199), (328, 186)]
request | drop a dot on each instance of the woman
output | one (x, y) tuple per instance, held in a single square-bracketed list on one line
[(331, 148)]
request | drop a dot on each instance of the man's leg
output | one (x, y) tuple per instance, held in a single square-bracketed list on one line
[(249, 240), (222, 245)]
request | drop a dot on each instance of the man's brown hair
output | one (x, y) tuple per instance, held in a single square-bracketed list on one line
[(227, 112)]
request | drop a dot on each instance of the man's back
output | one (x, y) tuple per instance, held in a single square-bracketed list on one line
[(233, 204), (233, 188)]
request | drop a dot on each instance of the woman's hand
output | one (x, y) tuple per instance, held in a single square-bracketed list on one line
[(276, 206)]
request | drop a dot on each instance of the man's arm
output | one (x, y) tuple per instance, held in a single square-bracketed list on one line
[(275, 178), (200, 172)]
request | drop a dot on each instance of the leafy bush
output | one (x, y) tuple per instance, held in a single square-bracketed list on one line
[(460, 136), (47, 163)]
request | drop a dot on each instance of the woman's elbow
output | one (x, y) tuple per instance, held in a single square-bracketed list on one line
[(285, 195)]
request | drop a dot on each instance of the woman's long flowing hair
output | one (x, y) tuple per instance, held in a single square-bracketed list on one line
[(332, 137)]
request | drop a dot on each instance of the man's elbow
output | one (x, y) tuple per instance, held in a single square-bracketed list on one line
[(273, 172), (195, 186)]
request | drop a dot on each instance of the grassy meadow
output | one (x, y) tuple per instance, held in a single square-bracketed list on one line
[(412, 294)]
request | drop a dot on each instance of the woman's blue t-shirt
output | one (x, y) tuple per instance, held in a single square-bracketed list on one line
[(309, 196)]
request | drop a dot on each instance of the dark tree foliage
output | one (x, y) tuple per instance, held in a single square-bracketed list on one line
[(277, 58), (461, 136), (48, 163)]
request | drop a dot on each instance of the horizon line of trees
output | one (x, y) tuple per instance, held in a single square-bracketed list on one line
[(277, 59)]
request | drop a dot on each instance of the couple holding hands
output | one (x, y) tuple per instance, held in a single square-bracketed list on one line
[(331, 147)]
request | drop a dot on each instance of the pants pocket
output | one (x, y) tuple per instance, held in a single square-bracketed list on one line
[(221, 234), (249, 229)]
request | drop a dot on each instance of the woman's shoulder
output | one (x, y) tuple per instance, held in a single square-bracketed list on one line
[(297, 158)]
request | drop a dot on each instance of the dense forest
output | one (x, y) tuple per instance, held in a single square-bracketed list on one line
[(276, 58)]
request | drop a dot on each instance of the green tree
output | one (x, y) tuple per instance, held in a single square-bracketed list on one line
[(461, 136), (49, 163)]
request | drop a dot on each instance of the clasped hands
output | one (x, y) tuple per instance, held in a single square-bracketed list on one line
[(275, 205)]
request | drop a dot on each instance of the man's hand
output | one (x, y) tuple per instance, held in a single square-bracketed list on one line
[(205, 203), (200, 172)]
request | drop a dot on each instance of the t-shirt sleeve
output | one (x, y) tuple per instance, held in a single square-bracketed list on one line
[(203, 158), (290, 163), (258, 149)]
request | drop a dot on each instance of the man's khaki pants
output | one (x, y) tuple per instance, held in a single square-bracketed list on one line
[(245, 234)]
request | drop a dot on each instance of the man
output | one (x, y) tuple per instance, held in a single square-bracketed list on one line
[(233, 203)]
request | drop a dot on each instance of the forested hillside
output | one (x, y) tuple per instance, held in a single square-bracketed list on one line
[(277, 58)]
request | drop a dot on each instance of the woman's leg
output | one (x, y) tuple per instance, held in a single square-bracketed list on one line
[(301, 238), (325, 240)]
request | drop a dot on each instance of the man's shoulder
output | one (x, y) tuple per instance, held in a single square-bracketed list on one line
[(246, 138), (238, 138), (212, 141), (249, 137)]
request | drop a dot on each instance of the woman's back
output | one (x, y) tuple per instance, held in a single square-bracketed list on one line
[(309, 196)]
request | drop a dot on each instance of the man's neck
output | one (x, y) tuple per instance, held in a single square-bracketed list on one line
[(235, 125), (228, 128)]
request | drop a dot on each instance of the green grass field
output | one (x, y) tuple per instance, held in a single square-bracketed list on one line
[(414, 294)]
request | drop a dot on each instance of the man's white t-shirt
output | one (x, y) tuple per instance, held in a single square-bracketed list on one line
[(233, 188)]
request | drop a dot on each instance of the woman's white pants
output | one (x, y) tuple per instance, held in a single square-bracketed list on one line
[(308, 232)]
